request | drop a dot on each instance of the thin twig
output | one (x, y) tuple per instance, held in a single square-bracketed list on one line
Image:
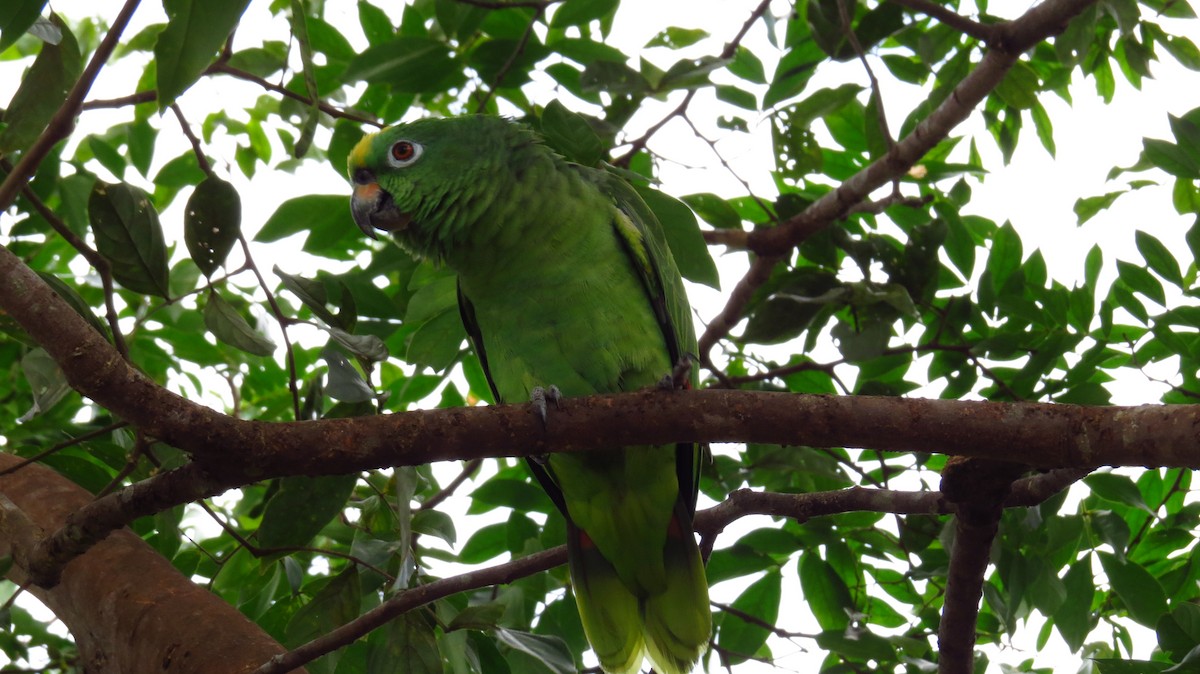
[(512, 59), (680, 110), (226, 69), (196, 149), (283, 322), (983, 32), (468, 470), (83, 437), (122, 101), (775, 244)]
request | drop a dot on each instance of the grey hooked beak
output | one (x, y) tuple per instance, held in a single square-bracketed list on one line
[(373, 208)]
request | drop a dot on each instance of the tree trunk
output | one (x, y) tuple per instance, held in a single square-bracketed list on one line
[(127, 607)]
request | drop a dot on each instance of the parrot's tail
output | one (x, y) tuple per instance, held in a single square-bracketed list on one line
[(673, 626), (678, 622), (610, 614)]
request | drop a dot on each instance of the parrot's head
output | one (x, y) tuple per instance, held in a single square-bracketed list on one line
[(418, 176)]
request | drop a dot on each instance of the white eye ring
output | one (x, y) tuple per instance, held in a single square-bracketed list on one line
[(404, 153)]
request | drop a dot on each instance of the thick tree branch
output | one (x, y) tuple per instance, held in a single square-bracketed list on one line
[(127, 607), (230, 451), (979, 488), (775, 243)]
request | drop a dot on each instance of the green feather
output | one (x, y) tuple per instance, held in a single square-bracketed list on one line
[(565, 279)]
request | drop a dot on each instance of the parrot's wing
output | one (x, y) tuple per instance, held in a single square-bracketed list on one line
[(467, 311), (642, 237)]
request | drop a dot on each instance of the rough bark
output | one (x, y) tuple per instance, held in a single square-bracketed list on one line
[(127, 607)]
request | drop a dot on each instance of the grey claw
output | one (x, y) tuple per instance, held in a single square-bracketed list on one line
[(539, 396)]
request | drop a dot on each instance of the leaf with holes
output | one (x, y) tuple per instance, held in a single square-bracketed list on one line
[(212, 223)]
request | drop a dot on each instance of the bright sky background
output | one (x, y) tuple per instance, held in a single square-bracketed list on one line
[(1036, 192)]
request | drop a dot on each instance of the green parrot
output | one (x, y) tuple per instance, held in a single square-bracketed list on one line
[(565, 284)]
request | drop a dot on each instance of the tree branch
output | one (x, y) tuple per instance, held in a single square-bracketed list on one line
[(128, 609), (983, 32), (708, 523), (775, 243), (231, 451)]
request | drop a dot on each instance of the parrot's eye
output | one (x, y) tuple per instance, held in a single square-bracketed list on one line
[(404, 153)]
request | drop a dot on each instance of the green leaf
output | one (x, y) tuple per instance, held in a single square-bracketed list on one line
[(1141, 593), (332, 606), (406, 645), (46, 380), (576, 12), (1171, 158), (860, 645), (1005, 255), (196, 30), (1045, 128), (1091, 267), (130, 237), (368, 347), (793, 73), (1116, 488), (408, 64), (683, 237), (45, 85), (674, 37), (311, 292), (612, 77), (714, 210), (325, 218), (1073, 617), (1141, 281), (1114, 666), (740, 639), (570, 134), (862, 343), (520, 495), (747, 66), (549, 651), (228, 326), (1019, 87), (825, 593), (302, 507), (17, 17), (486, 543), (212, 223), (478, 617), (437, 343), (1159, 257), (1184, 51), (1088, 207), (821, 103), (435, 523), (345, 383), (77, 302)]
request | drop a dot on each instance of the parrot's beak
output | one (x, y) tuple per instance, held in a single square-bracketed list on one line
[(373, 208)]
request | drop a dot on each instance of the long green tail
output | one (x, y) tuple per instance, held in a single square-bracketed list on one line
[(672, 626)]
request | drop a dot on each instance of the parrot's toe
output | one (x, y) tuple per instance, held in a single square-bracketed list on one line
[(678, 378), (539, 397)]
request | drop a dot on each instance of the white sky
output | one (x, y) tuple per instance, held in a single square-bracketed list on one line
[(1036, 192)]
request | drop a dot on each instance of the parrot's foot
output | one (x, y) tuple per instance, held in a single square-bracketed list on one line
[(677, 378), (539, 397)]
